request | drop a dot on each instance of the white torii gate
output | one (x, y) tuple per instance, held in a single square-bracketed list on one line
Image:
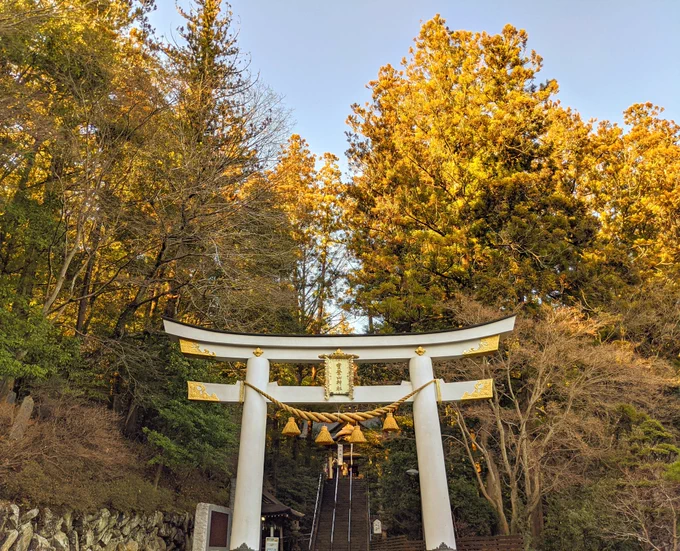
[(417, 348)]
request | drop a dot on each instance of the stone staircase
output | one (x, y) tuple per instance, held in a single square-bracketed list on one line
[(358, 536)]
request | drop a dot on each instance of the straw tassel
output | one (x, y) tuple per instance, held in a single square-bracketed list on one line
[(357, 437), (324, 438), (291, 429), (345, 431), (390, 423)]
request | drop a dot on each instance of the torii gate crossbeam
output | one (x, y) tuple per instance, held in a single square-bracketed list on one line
[(418, 349)]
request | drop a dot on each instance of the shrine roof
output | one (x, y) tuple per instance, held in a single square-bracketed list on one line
[(273, 507)]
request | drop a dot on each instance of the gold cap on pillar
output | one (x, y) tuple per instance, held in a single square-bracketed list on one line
[(324, 438), (291, 429)]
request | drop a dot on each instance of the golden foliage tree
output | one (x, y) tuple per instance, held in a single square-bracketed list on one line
[(635, 186), (464, 180), (311, 200)]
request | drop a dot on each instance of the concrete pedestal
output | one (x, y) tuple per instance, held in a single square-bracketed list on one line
[(434, 488), (245, 531)]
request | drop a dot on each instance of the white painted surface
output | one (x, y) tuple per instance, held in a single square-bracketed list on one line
[(434, 489), (248, 500), (369, 348), (378, 394)]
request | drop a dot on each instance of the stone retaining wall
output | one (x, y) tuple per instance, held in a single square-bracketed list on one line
[(44, 530)]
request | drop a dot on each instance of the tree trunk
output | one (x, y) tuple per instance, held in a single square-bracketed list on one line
[(61, 278), (131, 418), (536, 520), (87, 281), (157, 478), (131, 307), (172, 303), (6, 387), (27, 279), (495, 492)]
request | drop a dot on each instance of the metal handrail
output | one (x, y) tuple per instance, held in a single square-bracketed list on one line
[(368, 512), (335, 504), (317, 506), (349, 516)]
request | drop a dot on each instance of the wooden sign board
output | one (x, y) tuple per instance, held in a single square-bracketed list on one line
[(219, 530)]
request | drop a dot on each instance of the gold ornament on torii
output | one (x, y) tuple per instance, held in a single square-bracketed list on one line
[(339, 374)]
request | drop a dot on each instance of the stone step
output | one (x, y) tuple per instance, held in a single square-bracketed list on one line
[(359, 526)]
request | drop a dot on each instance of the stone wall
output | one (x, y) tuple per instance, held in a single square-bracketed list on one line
[(43, 530)]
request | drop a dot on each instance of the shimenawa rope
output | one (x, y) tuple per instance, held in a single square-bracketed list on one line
[(336, 417)]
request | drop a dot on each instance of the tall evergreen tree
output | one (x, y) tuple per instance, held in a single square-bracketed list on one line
[(462, 182)]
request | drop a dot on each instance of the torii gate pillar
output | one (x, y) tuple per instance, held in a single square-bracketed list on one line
[(246, 528), (434, 488)]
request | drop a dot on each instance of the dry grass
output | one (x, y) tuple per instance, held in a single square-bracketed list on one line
[(73, 456), (65, 431)]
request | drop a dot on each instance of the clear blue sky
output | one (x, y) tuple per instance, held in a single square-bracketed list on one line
[(320, 54)]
